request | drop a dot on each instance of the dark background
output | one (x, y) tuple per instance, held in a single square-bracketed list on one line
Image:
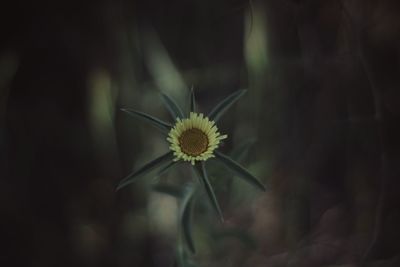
[(322, 104)]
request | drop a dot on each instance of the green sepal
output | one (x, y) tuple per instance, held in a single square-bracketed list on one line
[(225, 104), (172, 107), (192, 107), (157, 163), (209, 190), (240, 152), (186, 215), (168, 189), (238, 170), (166, 168), (159, 124)]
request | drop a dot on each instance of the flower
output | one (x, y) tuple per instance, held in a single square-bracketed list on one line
[(194, 138)]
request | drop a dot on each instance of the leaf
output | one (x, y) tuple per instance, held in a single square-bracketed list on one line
[(166, 168), (192, 101), (225, 104), (239, 170), (186, 217), (210, 191), (240, 152), (172, 107), (158, 162), (187, 225), (161, 125), (168, 189)]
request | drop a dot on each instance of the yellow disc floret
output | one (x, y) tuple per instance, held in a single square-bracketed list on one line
[(194, 138)]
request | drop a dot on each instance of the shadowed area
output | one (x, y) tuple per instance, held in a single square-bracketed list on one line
[(319, 126)]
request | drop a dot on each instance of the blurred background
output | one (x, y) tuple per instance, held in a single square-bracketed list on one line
[(320, 121)]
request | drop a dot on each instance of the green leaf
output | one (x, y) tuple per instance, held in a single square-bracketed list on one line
[(165, 169), (158, 162), (240, 152), (159, 124), (172, 107), (210, 191), (186, 217), (225, 104), (192, 101), (168, 189), (238, 170)]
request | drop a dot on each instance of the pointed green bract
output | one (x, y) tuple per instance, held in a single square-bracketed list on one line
[(168, 189), (157, 163), (163, 169), (210, 191), (225, 104), (186, 217), (166, 168), (238, 170), (159, 124), (240, 152), (172, 107), (192, 107)]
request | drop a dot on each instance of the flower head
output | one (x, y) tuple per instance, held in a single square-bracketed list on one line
[(194, 138)]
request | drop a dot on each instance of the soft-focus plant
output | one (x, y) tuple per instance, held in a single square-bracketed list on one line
[(193, 138)]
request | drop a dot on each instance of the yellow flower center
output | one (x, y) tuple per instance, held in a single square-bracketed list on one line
[(193, 142)]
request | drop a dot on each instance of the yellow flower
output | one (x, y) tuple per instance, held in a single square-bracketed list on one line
[(194, 138)]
